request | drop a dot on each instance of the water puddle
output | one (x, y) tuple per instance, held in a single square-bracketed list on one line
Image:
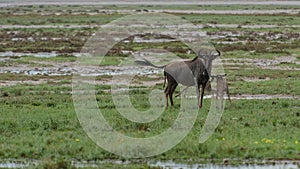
[(268, 164), (17, 163), (82, 71), (231, 12), (253, 26), (39, 54), (161, 40), (45, 26), (254, 97), (263, 165), (263, 97)]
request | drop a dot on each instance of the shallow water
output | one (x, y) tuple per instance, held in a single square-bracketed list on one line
[(255, 97), (39, 54), (163, 164), (274, 165), (86, 71), (11, 163)]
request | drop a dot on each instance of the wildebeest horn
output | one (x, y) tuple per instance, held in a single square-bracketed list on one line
[(219, 53)]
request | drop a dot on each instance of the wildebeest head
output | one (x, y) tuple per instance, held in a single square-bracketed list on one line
[(207, 56)]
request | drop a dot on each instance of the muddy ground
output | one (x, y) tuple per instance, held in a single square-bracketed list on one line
[(11, 60), (107, 2)]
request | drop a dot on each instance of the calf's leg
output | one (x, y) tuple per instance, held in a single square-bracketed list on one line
[(202, 93)]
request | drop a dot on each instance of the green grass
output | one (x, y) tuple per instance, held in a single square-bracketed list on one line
[(217, 29), (251, 72), (267, 54), (35, 19), (202, 7), (280, 81), (22, 77), (60, 58), (69, 9), (40, 123), (289, 86), (81, 19), (242, 19)]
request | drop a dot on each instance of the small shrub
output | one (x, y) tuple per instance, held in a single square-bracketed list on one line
[(5, 94)]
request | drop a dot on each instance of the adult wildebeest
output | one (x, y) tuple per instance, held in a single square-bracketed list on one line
[(188, 73)]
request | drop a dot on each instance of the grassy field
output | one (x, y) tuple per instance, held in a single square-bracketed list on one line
[(38, 121), (36, 19)]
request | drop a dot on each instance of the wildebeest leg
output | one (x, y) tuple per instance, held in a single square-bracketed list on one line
[(197, 90), (227, 91), (171, 93), (202, 93), (181, 91), (166, 95), (165, 78)]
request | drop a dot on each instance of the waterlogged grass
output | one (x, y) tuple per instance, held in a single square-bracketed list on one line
[(260, 47), (276, 86), (255, 55), (251, 72), (70, 9), (265, 81), (36, 19), (201, 7), (216, 29), (242, 19), (61, 58), (81, 19), (39, 122)]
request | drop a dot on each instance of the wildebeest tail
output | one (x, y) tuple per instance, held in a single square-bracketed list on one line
[(146, 62), (165, 76)]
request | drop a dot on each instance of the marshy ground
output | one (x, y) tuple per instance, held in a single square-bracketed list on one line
[(41, 43)]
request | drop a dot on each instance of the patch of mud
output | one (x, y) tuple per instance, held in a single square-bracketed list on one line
[(254, 97), (161, 40), (198, 25), (226, 164), (263, 97), (68, 68), (14, 163), (17, 82), (46, 26), (230, 11), (250, 26), (137, 2), (39, 54), (254, 79), (184, 11), (266, 164), (259, 37)]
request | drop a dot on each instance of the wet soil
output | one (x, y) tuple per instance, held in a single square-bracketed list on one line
[(135, 2), (225, 164)]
